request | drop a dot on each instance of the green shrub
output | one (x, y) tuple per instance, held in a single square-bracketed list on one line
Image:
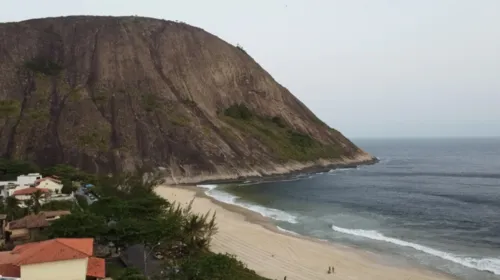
[(10, 169), (280, 140), (44, 66), (9, 107), (238, 111)]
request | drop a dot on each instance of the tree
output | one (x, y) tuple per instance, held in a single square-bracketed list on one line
[(131, 274), (151, 233), (10, 169), (12, 208), (29, 207), (67, 186), (55, 205), (210, 266), (78, 225), (36, 197)]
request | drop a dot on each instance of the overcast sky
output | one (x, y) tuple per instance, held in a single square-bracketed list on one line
[(372, 68)]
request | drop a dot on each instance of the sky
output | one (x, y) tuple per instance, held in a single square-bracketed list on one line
[(369, 68)]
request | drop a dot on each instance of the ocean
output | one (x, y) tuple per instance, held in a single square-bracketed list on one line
[(430, 202)]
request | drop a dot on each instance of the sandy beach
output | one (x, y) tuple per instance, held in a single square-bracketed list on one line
[(273, 254)]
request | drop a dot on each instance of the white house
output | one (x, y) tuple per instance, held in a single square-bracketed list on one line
[(22, 182), (26, 193), (50, 183), (29, 179)]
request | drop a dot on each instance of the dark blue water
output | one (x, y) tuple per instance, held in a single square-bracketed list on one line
[(434, 202)]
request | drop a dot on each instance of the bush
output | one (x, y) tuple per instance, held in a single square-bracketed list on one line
[(10, 169), (238, 111), (9, 108), (215, 266), (44, 66)]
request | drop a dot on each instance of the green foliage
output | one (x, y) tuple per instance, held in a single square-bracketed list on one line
[(69, 173), (278, 121), (283, 141), (43, 66), (211, 266), (238, 111), (12, 208), (98, 139), (37, 114), (68, 187), (10, 169), (179, 120), (78, 225), (240, 47), (130, 274), (82, 202), (9, 107), (149, 102), (55, 205)]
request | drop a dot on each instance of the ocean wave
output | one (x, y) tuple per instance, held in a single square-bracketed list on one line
[(485, 264), (288, 231), (275, 214), (332, 171)]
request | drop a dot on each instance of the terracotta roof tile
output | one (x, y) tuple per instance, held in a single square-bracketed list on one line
[(28, 191), (51, 251), (55, 250), (10, 270), (96, 267)]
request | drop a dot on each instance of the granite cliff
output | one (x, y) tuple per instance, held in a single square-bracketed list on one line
[(111, 94)]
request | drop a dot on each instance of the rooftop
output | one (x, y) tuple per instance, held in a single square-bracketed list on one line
[(59, 249), (35, 221), (28, 191)]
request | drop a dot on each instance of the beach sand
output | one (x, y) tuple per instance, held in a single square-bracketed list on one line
[(274, 254)]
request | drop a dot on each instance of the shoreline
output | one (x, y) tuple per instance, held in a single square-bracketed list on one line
[(351, 263), (275, 172)]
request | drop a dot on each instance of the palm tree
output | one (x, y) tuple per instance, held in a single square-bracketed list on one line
[(29, 206), (12, 207), (35, 197)]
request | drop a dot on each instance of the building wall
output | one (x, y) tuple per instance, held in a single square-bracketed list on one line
[(21, 232), (51, 185), (60, 270), (28, 179)]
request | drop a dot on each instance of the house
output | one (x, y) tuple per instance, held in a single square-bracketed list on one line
[(61, 258), (23, 181), (53, 184), (30, 227), (26, 194)]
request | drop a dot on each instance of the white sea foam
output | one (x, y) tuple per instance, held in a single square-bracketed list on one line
[(228, 198), (288, 231), (484, 264), (342, 170)]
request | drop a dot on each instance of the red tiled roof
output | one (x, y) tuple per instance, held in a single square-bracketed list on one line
[(50, 251), (28, 191), (96, 267), (10, 270)]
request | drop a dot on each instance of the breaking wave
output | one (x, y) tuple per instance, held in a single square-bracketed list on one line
[(275, 214), (485, 264)]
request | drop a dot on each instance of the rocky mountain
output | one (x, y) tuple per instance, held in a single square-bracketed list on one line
[(110, 94)]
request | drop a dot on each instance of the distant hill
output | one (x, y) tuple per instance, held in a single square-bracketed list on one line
[(110, 94)]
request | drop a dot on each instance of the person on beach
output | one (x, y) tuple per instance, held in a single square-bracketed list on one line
[(333, 269), (329, 270)]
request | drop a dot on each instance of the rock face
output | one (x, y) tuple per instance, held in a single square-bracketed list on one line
[(110, 94)]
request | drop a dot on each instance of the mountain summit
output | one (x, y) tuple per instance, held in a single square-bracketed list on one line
[(110, 94)]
